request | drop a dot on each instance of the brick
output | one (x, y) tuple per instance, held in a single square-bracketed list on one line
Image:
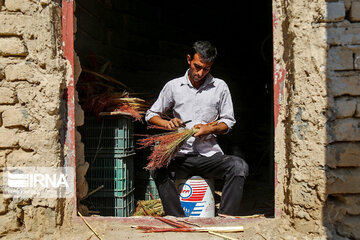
[(12, 46), (24, 6), (25, 95), (351, 203), (347, 129), (40, 219), (343, 155), (15, 117), (357, 58), (355, 12), (345, 107), (349, 227), (340, 58), (2, 161), (20, 72), (334, 11), (342, 35), (344, 85), (8, 138), (19, 158), (8, 223), (4, 203), (343, 181), (13, 24), (357, 114), (40, 141), (6, 96)]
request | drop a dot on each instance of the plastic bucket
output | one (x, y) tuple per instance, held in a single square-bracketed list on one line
[(197, 196)]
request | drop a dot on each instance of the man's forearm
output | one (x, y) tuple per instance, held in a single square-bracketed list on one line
[(220, 128), (205, 129), (157, 120), (171, 124)]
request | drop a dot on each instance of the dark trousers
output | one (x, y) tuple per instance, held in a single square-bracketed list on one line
[(231, 169)]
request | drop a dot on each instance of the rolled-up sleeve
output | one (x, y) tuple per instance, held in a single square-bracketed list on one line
[(226, 109), (162, 104)]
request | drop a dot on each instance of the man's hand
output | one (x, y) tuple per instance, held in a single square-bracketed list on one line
[(206, 129), (171, 124)]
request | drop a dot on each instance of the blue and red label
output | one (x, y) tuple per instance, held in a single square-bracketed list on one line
[(192, 197)]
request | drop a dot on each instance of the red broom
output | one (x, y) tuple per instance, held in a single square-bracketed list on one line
[(166, 145)]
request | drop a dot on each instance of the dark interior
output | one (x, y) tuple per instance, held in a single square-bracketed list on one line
[(144, 44)]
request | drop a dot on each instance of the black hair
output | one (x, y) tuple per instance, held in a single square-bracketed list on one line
[(205, 49)]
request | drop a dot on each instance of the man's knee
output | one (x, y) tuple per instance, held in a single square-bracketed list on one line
[(237, 166)]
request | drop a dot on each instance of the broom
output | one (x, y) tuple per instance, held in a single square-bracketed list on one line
[(166, 145)]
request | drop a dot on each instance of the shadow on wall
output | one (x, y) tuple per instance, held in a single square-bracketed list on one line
[(342, 212)]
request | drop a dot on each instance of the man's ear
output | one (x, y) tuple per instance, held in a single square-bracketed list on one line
[(188, 58)]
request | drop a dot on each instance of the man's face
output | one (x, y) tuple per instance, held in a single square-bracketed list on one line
[(198, 67)]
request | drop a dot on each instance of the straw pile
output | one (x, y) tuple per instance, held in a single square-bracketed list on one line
[(149, 208), (116, 102), (99, 93)]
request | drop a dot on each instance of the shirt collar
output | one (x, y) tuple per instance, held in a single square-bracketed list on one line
[(186, 81)]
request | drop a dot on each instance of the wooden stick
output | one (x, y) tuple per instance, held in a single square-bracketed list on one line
[(171, 222), (251, 216), (261, 236), (105, 77), (221, 229), (92, 192), (190, 223), (87, 224), (90, 236), (189, 229), (114, 113), (221, 235), (146, 213)]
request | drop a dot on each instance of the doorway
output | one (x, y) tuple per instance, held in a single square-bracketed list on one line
[(144, 44)]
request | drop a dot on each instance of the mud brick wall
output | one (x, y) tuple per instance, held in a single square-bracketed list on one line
[(342, 212), (316, 51), (33, 74)]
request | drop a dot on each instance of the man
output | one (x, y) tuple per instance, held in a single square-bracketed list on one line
[(201, 98)]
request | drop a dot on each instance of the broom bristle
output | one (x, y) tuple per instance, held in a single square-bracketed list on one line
[(165, 146)]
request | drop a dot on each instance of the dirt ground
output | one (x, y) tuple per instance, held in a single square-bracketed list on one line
[(110, 230), (257, 228)]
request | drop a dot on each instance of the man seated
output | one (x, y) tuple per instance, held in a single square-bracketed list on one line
[(201, 98)]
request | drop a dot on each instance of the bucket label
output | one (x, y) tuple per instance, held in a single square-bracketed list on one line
[(186, 190), (192, 197)]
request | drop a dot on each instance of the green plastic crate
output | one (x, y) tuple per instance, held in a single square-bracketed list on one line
[(109, 135), (115, 206), (145, 186), (116, 174)]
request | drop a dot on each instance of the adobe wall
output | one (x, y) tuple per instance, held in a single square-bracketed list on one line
[(316, 84), (33, 75)]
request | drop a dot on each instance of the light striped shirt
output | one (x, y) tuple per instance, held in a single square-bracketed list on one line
[(212, 101)]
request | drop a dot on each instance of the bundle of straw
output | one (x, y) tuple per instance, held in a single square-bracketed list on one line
[(116, 102), (164, 146), (149, 207), (101, 93)]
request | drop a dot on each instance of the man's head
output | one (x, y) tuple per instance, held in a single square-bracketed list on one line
[(201, 60)]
